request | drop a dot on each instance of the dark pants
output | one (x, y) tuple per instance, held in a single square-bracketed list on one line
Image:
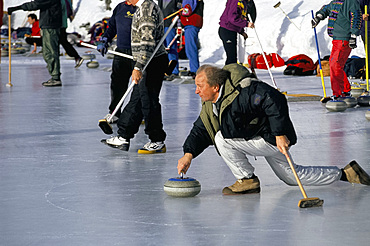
[(31, 41), (120, 77), (144, 103), (50, 51), (229, 41), (67, 45)]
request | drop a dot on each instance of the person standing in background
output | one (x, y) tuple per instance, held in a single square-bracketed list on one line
[(343, 26), (192, 20), (169, 7), (50, 24), (232, 22)]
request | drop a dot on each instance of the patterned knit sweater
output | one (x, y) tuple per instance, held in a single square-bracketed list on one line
[(344, 18), (147, 30)]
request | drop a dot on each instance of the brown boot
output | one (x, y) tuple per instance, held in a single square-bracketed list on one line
[(243, 186), (355, 174)]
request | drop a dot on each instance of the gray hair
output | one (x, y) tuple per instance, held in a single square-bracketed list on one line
[(215, 76)]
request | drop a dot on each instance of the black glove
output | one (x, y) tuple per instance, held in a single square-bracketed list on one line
[(315, 21), (12, 9), (103, 46), (352, 41)]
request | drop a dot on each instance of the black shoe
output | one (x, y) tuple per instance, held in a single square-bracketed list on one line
[(52, 82), (171, 77), (79, 62)]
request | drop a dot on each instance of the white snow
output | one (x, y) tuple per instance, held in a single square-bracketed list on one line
[(276, 33)]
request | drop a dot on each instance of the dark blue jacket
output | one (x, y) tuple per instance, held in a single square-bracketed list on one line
[(120, 24)]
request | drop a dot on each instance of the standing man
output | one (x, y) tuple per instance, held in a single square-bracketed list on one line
[(169, 7), (147, 31), (50, 24), (343, 26), (119, 24), (35, 38), (192, 20), (242, 117)]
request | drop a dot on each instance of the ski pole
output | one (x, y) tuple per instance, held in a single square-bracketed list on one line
[(318, 53), (264, 57), (9, 84), (366, 53)]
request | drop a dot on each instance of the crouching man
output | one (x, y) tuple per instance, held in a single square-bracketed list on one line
[(242, 117)]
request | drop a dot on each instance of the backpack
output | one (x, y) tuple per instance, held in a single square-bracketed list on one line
[(300, 65), (353, 66), (256, 60)]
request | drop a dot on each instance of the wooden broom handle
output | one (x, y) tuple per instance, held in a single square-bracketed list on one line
[(296, 175)]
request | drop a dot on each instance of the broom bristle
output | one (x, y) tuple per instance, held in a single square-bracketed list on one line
[(310, 202), (106, 128)]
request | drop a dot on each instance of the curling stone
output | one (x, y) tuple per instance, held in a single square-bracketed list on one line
[(367, 114), (15, 51), (350, 101), (336, 106), (182, 187), (88, 56), (363, 101), (356, 91), (92, 64)]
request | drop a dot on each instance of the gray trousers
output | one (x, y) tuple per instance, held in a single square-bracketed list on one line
[(234, 152), (50, 51)]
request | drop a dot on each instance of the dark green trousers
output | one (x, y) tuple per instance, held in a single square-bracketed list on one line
[(50, 51)]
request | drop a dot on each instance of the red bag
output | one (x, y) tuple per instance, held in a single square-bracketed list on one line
[(252, 60), (260, 61), (277, 61)]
